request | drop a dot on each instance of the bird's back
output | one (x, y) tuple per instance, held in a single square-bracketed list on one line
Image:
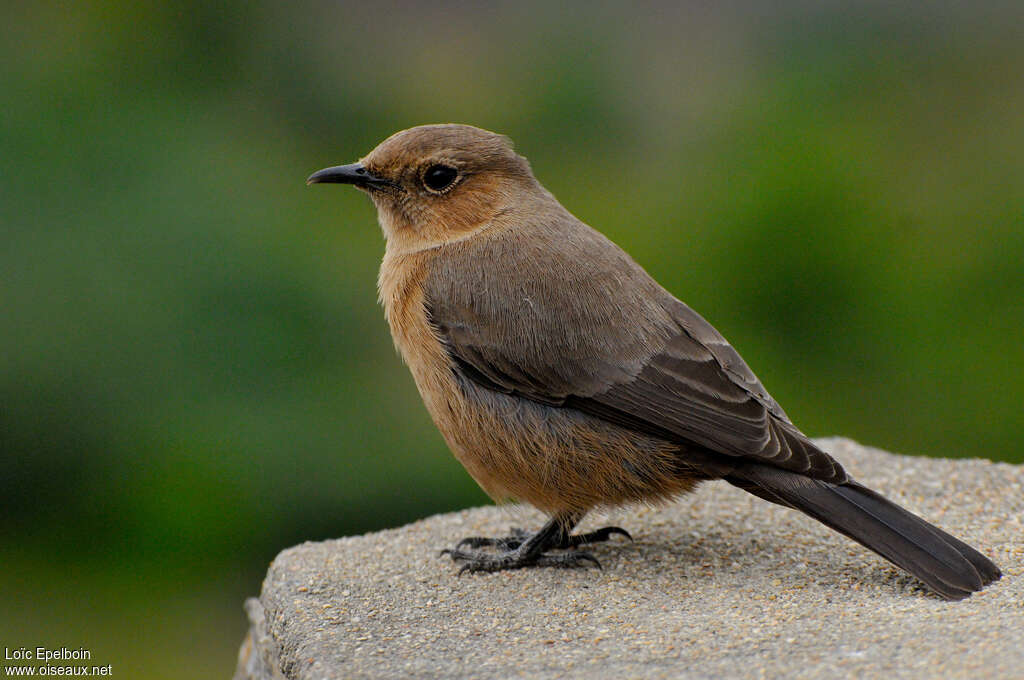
[(570, 309)]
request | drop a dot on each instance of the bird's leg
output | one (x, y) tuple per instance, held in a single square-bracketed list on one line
[(523, 549)]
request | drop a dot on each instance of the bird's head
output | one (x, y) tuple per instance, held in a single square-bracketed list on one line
[(438, 183)]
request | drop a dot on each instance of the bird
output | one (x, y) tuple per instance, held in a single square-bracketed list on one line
[(562, 375)]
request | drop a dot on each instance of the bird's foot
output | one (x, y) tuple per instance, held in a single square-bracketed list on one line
[(597, 536), (559, 541), (515, 539), (479, 560), (523, 549)]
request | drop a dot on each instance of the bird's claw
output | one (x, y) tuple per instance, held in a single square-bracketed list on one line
[(517, 551), (515, 539), (484, 562), (598, 536)]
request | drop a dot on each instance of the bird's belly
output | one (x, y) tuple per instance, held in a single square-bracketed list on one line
[(556, 459)]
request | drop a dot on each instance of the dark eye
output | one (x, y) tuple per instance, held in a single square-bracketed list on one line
[(439, 177)]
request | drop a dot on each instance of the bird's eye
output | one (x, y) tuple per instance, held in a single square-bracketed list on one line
[(439, 177)]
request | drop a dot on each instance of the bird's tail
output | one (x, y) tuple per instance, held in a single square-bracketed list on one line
[(949, 566)]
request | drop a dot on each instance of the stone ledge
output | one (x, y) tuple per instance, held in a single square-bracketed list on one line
[(719, 584)]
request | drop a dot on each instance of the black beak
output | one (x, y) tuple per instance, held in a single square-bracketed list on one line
[(354, 173)]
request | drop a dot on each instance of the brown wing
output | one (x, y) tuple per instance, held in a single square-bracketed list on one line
[(700, 389), (597, 334)]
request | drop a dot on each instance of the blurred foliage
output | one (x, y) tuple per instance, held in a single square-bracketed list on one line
[(194, 373)]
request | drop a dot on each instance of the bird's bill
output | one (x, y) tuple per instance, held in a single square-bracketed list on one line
[(353, 173)]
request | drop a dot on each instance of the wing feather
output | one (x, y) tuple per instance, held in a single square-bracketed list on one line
[(655, 366)]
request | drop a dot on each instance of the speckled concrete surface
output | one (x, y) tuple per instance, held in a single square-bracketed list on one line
[(718, 584)]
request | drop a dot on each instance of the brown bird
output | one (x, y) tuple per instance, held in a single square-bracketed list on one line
[(561, 374)]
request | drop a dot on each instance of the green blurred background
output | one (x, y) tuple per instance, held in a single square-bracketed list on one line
[(194, 371)]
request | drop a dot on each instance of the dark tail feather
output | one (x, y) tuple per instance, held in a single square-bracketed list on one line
[(949, 566)]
